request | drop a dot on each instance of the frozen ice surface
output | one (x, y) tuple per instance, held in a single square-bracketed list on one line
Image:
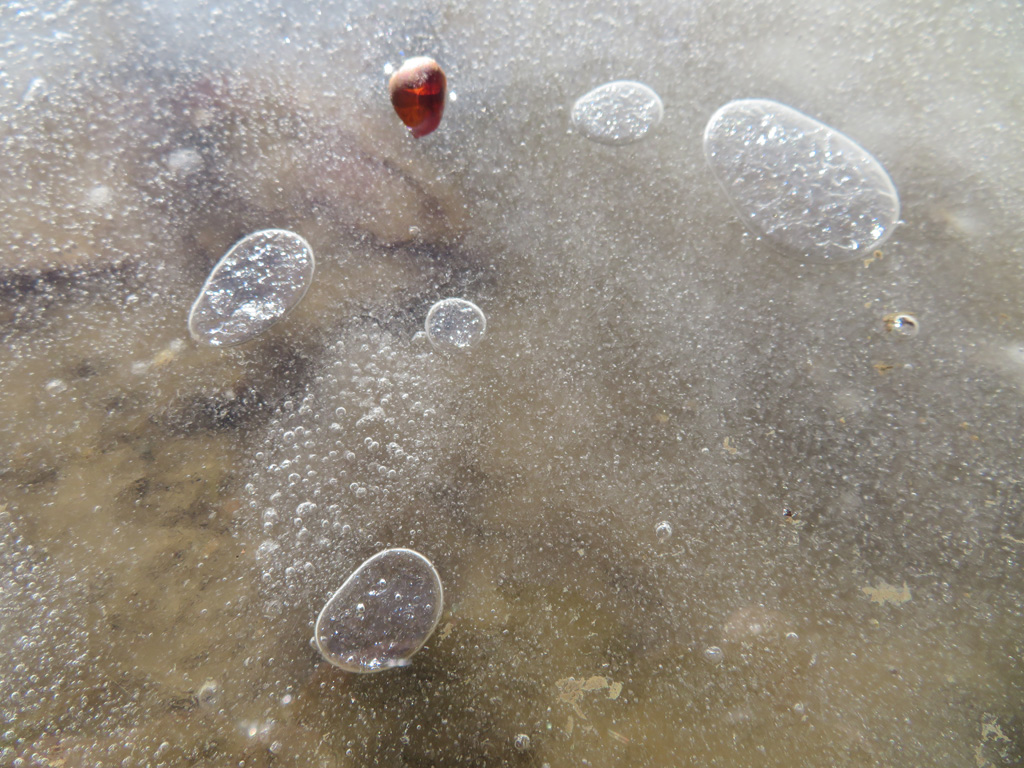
[(810, 190), (455, 324), (619, 112), (845, 502), (383, 613), (257, 282)]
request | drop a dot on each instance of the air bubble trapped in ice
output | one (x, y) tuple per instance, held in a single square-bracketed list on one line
[(454, 325), (257, 282), (620, 112), (383, 613), (809, 190)]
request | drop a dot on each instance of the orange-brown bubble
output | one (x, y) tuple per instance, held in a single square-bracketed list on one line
[(418, 89)]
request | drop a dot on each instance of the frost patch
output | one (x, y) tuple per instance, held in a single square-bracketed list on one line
[(887, 593), (571, 691)]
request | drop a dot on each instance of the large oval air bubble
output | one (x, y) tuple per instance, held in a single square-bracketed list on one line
[(255, 284), (808, 189), (383, 613)]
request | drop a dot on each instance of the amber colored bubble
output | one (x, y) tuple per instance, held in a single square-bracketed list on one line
[(418, 89)]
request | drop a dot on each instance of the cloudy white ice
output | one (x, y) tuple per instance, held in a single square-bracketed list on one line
[(695, 498)]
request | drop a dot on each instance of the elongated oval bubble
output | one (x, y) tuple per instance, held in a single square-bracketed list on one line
[(808, 189), (383, 613), (619, 112), (455, 324), (255, 284)]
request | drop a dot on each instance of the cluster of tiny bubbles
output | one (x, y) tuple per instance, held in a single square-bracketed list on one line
[(663, 531), (266, 549), (714, 654), (619, 112), (454, 325), (521, 742), (901, 325), (323, 449), (331, 459)]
